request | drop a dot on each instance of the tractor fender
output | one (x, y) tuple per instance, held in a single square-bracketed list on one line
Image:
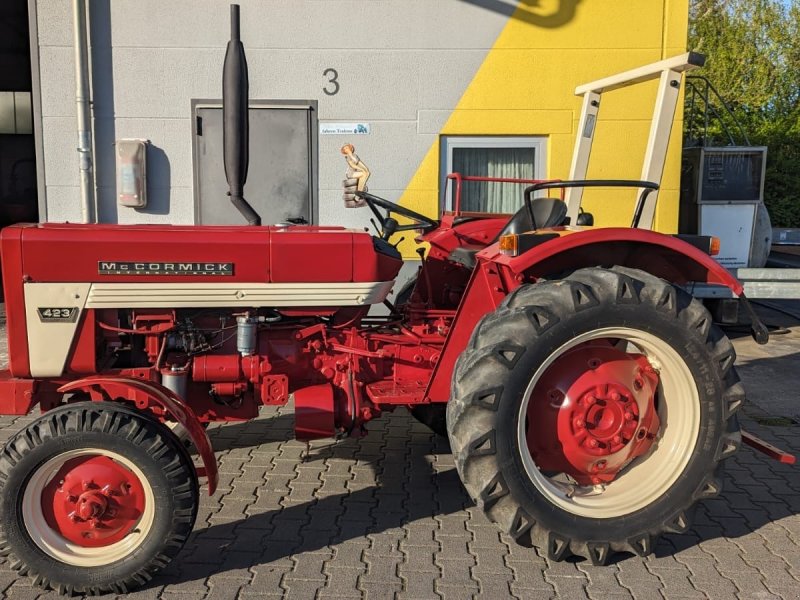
[(144, 393), (659, 254), (496, 274)]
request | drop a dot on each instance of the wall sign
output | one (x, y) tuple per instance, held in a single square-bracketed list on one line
[(344, 128)]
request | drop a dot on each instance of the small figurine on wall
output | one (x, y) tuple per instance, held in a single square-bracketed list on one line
[(355, 178)]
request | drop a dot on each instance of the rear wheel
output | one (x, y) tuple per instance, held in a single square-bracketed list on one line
[(590, 414), (94, 498)]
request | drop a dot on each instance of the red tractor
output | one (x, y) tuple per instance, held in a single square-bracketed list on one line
[(589, 400)]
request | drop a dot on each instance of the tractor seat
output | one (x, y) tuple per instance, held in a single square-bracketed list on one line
[(547, 212)]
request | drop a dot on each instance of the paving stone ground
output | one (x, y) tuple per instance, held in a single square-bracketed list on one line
[(385, 516)]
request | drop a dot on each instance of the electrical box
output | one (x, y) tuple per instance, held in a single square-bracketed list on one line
[(733, 224), (132, 172), (721, 191), (725, 174)]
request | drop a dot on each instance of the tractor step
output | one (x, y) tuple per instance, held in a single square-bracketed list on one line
[(768, 449), (390, 392)]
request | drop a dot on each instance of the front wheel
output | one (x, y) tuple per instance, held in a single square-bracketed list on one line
[(589, 415), (94, 498)]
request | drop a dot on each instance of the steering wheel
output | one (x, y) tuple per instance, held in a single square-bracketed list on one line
[(390, 225)]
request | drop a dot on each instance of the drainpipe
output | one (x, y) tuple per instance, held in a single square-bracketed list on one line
[(85, 156)]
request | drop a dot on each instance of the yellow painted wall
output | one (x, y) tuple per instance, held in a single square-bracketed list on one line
[(526, 87)]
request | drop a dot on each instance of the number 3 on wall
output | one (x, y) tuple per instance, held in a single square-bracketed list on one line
[(333, 81)]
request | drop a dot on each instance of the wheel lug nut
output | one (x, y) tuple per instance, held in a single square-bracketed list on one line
[(579, 423), (590, 399), (614, 395), (629, 416), (593, 443), (617, 439)]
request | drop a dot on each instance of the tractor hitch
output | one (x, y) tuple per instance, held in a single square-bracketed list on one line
[(758, 330), (766, 448)]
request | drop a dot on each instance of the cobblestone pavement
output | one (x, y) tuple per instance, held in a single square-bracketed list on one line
[(385, 516)]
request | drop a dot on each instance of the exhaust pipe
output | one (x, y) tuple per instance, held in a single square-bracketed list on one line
[(235, 130)]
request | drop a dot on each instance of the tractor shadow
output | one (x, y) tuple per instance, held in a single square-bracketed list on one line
[(540, 13), (251, 434), (398, 474), (402, 475), (757, 494)]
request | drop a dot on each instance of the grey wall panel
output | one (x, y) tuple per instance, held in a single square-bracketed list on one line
[(159, 82), (60, 140), (104, 159), (318, 24), (57, 71), (63, 203), (432, 121), (55, 22), (174, 202)]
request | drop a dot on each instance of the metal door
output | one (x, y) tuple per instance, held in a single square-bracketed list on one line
[(281, 181)]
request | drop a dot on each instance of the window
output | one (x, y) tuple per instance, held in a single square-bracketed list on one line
[(16, 116), (505, 157)]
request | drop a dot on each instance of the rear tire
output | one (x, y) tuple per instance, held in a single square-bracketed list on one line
[(94, 498), (493, 409)]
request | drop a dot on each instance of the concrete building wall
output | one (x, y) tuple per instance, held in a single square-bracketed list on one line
[(395, 60), (413, 69)]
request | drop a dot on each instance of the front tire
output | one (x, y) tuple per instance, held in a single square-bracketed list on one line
[(589, 415), (94, 498)]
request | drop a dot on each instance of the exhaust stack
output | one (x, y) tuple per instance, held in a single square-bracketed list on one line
[(235, 130)]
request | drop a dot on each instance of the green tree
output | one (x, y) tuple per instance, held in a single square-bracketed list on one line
[(753, 60)]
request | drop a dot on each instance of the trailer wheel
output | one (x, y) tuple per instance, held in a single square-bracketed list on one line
[(94, 498), (589, 415)]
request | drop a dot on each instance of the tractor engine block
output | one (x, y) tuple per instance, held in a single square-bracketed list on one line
[(225, 363)]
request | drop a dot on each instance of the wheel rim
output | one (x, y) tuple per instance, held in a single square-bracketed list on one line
[(575, 431), (88, 507)]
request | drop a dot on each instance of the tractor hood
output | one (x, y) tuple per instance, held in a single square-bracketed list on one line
[(53, 252)]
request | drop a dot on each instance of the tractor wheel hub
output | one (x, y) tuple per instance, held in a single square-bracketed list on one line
[(592, 412), (93, 501), (605, 419)]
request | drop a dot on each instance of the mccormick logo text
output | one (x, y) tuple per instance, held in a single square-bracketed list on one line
[(164, 268)]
